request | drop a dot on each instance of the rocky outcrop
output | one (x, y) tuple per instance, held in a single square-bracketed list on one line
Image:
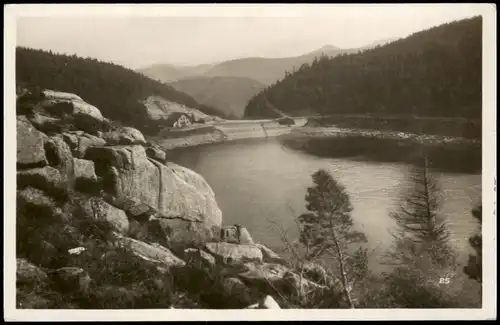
[(149, 206), (84, 169), (234, 254), (26, 272), (30, 144), (151, 252), (60, 157), (102, 210), (236, 234), (269, 255), (79, 142), (262, 273), (38, 203), (267, 302), (124, 135), (69, 106), (169, 189), (156, 153), (195, 255), (47, 179)]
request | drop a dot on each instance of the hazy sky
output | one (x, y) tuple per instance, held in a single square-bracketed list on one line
[(141, 36)]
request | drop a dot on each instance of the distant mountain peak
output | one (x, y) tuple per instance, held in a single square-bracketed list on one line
[(327, 48)]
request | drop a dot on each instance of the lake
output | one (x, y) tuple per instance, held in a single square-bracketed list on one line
[(261, 183)]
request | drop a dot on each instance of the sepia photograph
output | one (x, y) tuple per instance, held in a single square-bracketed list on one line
[(249, 162)]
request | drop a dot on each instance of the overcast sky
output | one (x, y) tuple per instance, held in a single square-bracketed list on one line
[(136, 38)]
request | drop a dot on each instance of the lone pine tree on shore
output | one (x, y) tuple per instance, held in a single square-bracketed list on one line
[(328, 229), (419, 228)]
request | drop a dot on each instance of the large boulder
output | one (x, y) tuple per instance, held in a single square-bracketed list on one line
[(30, 144), (181, 231), (269, 255), (48, 124), (236, 234), (71, 107), (60, 157), (198, 256), (170, 190), (190, 193), (84, 169), (263, 276), (125, 135), (26, 272), (263, 272), (46, 178), (102, 210), (79, 142), (234, 253), (37, 203), (151, 252), (135, 210), (156, 153)]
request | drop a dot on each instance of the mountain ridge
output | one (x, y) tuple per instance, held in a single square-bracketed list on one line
[(434, 72)]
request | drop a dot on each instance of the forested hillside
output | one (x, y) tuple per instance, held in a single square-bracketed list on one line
[(115, 90), (436, 72)]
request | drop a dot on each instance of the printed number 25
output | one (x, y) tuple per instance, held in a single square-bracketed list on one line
[(444, 280)]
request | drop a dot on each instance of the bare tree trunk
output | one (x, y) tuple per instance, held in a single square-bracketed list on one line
[(340, 258)]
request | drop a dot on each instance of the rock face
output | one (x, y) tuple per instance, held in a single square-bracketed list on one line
[(30, 144), (156, 153), (59, 156), (154, 253), (28, 273), (102, 210), (194, 255), (236, 234), (126, 136), (84, 169), (264, 272), (269, 255), (168, 189), (83, 115), (138, 193), (79, 142), (46, 178), (233, 253)]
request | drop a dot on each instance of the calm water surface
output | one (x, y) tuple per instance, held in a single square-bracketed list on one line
[(258, 183)]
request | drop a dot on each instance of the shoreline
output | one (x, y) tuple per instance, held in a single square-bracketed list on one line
[(233, 131)]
